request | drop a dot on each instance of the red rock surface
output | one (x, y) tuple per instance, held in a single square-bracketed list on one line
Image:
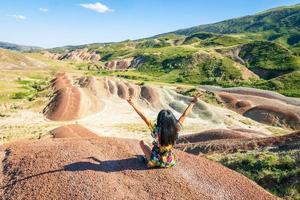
[(76, 55), (118, 64), (218, 134), (234, 145), (69, 101), (264, 110), (65, 105), (275, 116), (151, 95), (72, 131), (231, 102), (122, 90), (108, 168), (77, 98), (60, 81)]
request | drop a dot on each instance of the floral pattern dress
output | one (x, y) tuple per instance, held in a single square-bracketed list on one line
[(162, 156)]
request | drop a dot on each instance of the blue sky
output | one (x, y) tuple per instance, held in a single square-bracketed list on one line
[(51, 23)]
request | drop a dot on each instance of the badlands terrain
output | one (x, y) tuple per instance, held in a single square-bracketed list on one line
[(84, 140), (89, 154), (67, 131)]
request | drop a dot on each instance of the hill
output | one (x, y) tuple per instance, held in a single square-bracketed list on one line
[(257, 51), (274, 23), (102, 168), (16, 60), (16, 47)]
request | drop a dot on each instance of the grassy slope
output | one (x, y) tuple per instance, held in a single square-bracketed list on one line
[(7, 56), (24, 83), (274, 23), (197, 61), (277, 170), (269, 42)]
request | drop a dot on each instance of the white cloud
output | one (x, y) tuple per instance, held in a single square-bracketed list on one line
[(44, 9), (18, 17), (98, 7)]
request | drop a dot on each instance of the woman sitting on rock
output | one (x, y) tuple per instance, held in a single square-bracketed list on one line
[(164, 133)]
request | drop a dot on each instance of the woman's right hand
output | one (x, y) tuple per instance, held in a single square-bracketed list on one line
[(196, 97), (129, 99)]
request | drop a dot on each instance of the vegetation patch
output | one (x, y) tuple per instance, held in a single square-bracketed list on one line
[(208, 97), (197, 37), (225, 40), (276, 171), (268, 56), (286, 84), (154, 43), (31, 89)]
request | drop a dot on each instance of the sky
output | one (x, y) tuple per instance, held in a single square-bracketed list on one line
[(52, 23)]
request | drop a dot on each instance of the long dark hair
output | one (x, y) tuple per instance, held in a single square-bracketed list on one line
[(167, 127)]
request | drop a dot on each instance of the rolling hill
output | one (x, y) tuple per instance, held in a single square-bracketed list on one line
[(274, 23), (16, 47), (259, 51)]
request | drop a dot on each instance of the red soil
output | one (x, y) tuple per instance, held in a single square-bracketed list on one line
[(70, 102), (151, 95), (71, 131), (97, 87), (274, 116), (107, 168), (133, 90), (254, 93), (243, 105), (268, 114), (112, 87), (122, 90), (80, 97), (234, 145), (217, 134), (65, 105), (122, 64), (110, 65), (233, 103), (61, 81), (118, 65)]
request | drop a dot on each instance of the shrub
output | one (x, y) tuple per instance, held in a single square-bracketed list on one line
[(21, 95)]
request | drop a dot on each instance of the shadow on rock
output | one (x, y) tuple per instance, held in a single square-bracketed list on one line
[(135, 163), (108, 166)]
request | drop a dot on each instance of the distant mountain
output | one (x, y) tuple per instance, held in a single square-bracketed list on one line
[(278, 20), (12, 60), (72, 47), (16, 47)]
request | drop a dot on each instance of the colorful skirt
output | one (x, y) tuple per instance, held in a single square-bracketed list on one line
[(161, 159)]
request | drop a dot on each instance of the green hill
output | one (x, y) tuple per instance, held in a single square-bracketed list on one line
[(278, 20), (261, 50), (279, 24)]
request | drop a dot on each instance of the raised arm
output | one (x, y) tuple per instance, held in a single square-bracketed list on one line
[(139, 112), (189, 109)]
